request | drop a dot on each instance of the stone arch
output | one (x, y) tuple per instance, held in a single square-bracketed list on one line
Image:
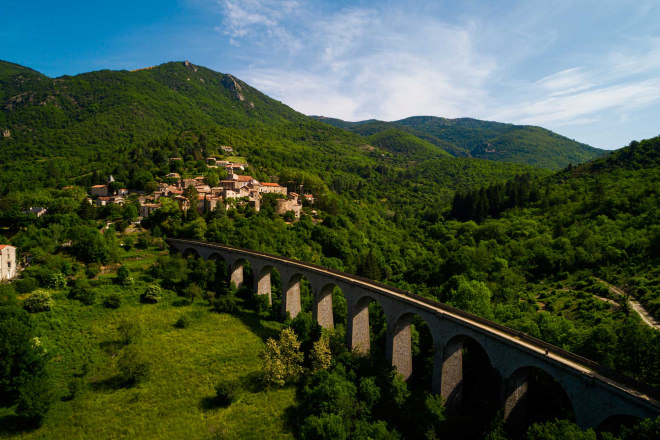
[(532, 394), (400, 342), (221, 271), (190, 252), (467, 375)]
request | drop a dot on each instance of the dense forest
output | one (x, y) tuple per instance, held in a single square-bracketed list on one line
[(532, 249)]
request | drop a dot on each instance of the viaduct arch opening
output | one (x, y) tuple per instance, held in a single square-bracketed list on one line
[(366, 330), (297, 296), (470, 385), (329, 308), (412, 350), (533, 395)]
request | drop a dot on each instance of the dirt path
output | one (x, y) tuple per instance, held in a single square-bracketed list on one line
[(635, 305)]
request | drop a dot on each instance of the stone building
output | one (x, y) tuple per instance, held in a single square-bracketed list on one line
[(272, 188), (147, 208), (284, 205), (8, 264), (100, 190)]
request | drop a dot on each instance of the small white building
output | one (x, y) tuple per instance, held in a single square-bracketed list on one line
[(8, 264), (36, 210)]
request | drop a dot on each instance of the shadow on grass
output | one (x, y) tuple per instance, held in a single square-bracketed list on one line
[(253, 321), (12, 424), (111, 348), (111, 383)]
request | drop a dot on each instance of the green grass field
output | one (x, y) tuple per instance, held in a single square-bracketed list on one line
[(185, 364)]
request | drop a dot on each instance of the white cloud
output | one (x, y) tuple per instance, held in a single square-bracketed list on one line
[(259, 21), (528, 65), (360, 63)]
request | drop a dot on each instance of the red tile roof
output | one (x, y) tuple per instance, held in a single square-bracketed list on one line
[(2, 246), (275, 185)]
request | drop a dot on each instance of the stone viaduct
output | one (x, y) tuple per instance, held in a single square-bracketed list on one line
[(596, 394)]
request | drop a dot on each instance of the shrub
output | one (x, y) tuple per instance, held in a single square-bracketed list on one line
[(152, 294), (112, 300), (92, 270), (83, 292), (132, 366), (128, 330), (192, 291), (34, 399), (7, 295), (320, 354), (326, 426), (182, 322), (26, 285), (39, 301), (282, 360), (260, 303), (225, 304), (124, 276), (56, 280), (226, 393)]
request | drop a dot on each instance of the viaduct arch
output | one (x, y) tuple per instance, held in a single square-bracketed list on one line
[(595, 392)]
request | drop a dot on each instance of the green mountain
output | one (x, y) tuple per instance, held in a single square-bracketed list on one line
[(59, 131), (485, 139)]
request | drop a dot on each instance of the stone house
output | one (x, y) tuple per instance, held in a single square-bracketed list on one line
[(272, 188), (309, 199), (36, 210), (147, 208), (100, 190), (8, 264), (285, 205)]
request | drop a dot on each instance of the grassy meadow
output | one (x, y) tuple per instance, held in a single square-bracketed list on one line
[(175, 400)]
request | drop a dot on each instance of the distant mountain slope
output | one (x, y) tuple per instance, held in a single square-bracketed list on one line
[(74, 129), (485, 139), (116, 107), (399, 141)]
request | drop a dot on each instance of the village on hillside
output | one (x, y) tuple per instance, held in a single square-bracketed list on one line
[(202, 193), (197, 193)]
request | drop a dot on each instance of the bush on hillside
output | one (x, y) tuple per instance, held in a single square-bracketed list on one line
[(112, 300), (124, 276), (152, 294), (82, 291), (26, 285), (132, 366), (226, 393), (39, 301)]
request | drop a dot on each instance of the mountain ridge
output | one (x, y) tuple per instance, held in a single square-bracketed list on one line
[(470, 137)]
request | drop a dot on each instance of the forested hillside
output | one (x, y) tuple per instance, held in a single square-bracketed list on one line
[(484, 139), (526, 247)]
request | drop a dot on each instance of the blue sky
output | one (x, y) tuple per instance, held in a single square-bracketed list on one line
[(589, 70)]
